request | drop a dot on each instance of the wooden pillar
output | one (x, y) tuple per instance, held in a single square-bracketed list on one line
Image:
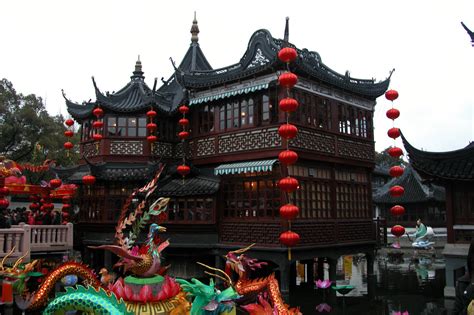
[(286, 275), (309, 272), (332, 276), (371, 277), (320, 268), (450, 212)]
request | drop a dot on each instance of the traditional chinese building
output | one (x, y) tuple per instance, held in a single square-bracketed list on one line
[(455, 171), (231, 198)]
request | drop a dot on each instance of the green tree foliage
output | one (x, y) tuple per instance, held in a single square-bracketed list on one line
[(28, 134), (384, 159)]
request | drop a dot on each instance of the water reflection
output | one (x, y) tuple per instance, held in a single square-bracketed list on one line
[(401, 285)]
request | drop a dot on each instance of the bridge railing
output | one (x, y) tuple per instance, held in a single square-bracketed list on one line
[(31, 239)]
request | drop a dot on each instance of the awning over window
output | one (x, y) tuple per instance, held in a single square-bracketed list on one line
[(230, 93), (245, 167)]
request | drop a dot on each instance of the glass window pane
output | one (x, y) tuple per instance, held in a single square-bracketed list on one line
[(142, 122), (111, 125)]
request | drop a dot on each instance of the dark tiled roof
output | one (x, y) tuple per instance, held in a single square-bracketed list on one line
[(415, 190), (261, 57), (197, 185), (451, 165)]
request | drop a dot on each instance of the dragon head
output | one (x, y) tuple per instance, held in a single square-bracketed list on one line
[(238, 262)]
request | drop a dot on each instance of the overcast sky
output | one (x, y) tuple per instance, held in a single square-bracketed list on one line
[(52, 45)]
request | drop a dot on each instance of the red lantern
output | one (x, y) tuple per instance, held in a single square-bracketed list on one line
[(151, 126), (97, 136), (183, 122), (287, 80), (88, 180), (98, 112), (288, 184), (4, 191), (393, 133), (55, 183), (397, 211), (289, 238), (288, 131), (68, 145), (396, 171), (151, 113), (391, 95), (65, 214), (288, 104), (97, 124), (4, 203), (397, 230), (183, 135), (287, 54), (48, 206), (34, 206), (66, 199), (66, 207), (395, 152), (69, 122), (183, 170), (69, 133), (288, 157), (289, 211), (393, 113), (183, 109), (34, 198), (396, 191), (151, 139)]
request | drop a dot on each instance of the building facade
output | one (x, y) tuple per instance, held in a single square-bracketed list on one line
[(231, 198)]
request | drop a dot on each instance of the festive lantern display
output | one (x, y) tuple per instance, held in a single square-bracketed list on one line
[(69, 122), (4, 203), (289, 238), (151, 114), (396, 171), (55, 183), (183, 135), (69, 133), (97, 136), (4, 191), (288, 157), (397, 211), (68, 145), (391, 95), (288, 105), (183, 109), (152, 128), (396, 191), (288, 184), (34, 206), (97, 124), (288, 131), (98, 112), (287, 54), (152, 139), (395, 152), (287, 80), (88, 180), (289, 211), (183, 122), (183, 170), (393, 113), (393, 133), (397, 230)]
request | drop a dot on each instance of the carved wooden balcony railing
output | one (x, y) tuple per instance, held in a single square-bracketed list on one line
[(32, 239), (312, 232)]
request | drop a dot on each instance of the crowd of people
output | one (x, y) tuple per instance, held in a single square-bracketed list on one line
[(9, 217)]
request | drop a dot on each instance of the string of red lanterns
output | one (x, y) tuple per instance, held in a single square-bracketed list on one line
[(152, 128), (183, 169), (395, 171), (97, 125), (69, 133), (287, 131)]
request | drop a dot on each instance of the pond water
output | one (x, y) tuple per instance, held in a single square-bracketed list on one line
[(403, 285)]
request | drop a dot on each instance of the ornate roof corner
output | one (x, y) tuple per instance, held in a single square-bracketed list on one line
[(469, 32)]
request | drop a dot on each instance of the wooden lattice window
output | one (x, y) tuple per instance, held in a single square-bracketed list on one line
[(191, 210), (206, 119)]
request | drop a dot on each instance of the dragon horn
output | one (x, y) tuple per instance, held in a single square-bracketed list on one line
[(5, 258), (229, 280), (243, 250), (216, 275), (19, 260)]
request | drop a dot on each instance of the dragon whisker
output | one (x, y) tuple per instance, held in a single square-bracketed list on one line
[(229, 280), (5, 258), (243, 250), (216, 275)]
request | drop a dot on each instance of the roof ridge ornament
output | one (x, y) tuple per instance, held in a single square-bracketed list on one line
[(195, 30), (286, 36), (138, 73)]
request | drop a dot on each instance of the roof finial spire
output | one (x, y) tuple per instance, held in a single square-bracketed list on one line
[(195, 30), (138, 73), (286, 37)]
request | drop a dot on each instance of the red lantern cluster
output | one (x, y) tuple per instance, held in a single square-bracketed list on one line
[(151, 128), (183, 169), (69, 133), (4, 192), (98, 125), (395, 171), (88, 180), (287, 131)]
